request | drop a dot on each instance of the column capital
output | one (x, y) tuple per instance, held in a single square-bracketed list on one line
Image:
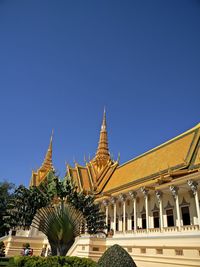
[(193, 185), (113, 200), (159, 195), (174, 190), (122, 197), (144, 191), (105, 202), (132, 194)]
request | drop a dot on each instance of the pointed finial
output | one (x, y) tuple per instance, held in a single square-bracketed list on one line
[(103, 127), (47, 163), (84, 158), (52, 133), (118, 158)]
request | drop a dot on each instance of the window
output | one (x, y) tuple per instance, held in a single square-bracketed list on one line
[(185, 215), (159, 251), (143, 250), (156, 219), (117, 224), (129, 249), (109, 224), (144, 224), (132, 222), (170, 217), (126, 223), (179, 252)]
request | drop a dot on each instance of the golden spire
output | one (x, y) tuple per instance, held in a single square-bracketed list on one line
[(103, 154), (47, 163)]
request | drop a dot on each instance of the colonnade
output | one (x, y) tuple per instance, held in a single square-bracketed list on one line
[(145, 192)]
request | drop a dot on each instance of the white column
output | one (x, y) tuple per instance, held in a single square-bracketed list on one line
[(133, 196), (193, 186), (105, 203), (123, 199), (145, 193), (113, 201), (159, 198), (174, 191)]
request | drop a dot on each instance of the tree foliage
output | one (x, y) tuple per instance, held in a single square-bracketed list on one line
[(2, 249), (116, 256), (23, 206), (25, 203), (61, 223), (5, 195), (20, 261)]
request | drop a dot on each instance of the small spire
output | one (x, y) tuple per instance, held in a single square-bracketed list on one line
[(47, 163), (103, 126), (103, 154)]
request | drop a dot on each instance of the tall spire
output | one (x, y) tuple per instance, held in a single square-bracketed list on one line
[(103, 154), (47, 163)]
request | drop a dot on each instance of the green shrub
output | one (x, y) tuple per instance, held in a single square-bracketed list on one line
[(116, 256), (52, 261), (2, 249)]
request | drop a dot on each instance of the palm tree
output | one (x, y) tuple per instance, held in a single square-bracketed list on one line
[(61, 223)]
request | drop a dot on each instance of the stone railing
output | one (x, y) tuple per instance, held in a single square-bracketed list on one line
[(170, 229), (154, 231), (190, 228)]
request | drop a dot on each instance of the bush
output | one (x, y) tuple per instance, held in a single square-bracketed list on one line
[(2, 249), (52, 261), (116, 256)]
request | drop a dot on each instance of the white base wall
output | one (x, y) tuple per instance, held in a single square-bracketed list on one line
[(147, 251)]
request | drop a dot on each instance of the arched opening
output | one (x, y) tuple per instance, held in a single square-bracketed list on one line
[(185, 215), (156, 219), (117, 224), (144, 223), (132, 222), (170, 217)]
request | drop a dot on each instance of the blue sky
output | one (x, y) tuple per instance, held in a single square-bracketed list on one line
[(62, 61)]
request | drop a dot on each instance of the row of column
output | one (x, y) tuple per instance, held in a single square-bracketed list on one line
[(159, 194)]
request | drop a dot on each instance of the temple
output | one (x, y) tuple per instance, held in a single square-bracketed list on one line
[(151, 202), (47, 166), (93, 177)]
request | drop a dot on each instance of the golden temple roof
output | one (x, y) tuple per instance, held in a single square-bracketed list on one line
[(47, 165), (176, 154), (93, 176)]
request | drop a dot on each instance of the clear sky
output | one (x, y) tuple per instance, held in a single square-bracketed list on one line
[(62, 61)]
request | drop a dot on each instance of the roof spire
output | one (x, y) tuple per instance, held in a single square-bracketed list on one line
[(103, 154), (47, 163)]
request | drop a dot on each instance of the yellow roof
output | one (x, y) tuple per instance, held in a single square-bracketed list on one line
[(174, 154)]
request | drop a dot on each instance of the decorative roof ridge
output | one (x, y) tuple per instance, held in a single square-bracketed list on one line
[(196, 127)]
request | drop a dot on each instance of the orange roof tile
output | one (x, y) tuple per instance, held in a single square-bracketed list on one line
[(175, 154)]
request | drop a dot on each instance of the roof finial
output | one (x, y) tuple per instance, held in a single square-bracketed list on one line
[(103, 126), (47, 163), (103, 154)]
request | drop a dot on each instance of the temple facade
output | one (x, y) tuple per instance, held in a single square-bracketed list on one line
[(151, 202)]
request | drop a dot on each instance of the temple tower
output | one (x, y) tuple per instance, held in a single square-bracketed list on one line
[(47, 166)]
